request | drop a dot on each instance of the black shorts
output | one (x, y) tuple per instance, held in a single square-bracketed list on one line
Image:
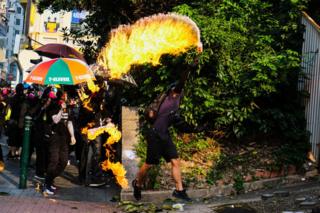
[(160, 145)]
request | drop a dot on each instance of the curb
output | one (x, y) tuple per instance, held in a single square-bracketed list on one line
[(225, 190)]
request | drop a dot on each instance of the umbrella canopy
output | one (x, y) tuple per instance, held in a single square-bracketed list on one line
[(55, 50), (64, 71)]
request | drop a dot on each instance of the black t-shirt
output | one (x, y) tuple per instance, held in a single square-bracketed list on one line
[(168, 106), (16, 103), (61, 126)]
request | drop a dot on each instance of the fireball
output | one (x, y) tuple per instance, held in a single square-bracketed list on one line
[(147, 40)]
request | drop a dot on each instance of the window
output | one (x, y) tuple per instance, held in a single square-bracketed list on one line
[(8, 53), (12, 75), (16, 32), (18, 21), (19, 10)]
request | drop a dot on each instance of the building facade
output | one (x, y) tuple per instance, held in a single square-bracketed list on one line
[(15, 24), (47, 27), (3, 39)]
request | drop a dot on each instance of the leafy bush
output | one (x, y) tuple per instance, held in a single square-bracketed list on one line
[(247, 74), (238, 183), (245, 83)]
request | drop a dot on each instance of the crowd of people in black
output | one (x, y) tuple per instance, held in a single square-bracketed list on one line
[(58, 116)]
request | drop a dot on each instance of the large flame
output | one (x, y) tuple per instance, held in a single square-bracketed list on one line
[(147, 40), (114, 136)]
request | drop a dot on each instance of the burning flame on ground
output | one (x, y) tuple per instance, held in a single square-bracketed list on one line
[(118, 171), (147, 40), (114, 136)]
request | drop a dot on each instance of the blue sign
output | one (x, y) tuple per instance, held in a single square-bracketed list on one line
[(78, 16)]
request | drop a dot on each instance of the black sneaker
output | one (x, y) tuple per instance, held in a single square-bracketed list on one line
[(10, 156), (181, 195), (136, 190)]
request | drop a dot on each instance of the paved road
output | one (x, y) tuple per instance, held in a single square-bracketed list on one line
[(70, 196), (22, 204)]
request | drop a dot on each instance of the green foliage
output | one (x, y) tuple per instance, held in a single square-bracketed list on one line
[(231, 161), (140, 149), (247, 63), (216, 173), (238, 184), (247, 74), (196, 144), (290, 154), (129, 206)]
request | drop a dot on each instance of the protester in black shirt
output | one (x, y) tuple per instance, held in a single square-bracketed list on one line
[(41, 133), (2, 121), (159, 144), (15, 131), (61, 134)]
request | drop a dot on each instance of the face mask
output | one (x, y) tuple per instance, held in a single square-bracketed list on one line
[(52, 95), (31, 96)]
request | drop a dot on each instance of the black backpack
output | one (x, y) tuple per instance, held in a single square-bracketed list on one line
[(151, 111)]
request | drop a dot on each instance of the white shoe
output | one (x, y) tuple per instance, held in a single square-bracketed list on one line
[(97, 184), (53, 187), (48, 191), (39, 177)]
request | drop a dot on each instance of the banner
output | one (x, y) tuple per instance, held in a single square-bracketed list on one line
[(77, 17)]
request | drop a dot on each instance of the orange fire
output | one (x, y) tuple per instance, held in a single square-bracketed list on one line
[(147, 40), (86, 104), (92, 86), (114, 136)]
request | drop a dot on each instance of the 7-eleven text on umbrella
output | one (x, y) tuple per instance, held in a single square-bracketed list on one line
[(36, 78), (82, 77), (59, 79)]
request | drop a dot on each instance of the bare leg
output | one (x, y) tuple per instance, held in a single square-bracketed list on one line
[(142, 173), (176, 174)]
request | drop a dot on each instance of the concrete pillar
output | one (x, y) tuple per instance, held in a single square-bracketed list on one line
[(130, 131)]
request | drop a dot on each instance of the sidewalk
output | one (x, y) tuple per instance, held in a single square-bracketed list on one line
[(70, 197), (22, 204)]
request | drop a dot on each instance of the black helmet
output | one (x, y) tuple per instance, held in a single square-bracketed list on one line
[(19, 88)]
